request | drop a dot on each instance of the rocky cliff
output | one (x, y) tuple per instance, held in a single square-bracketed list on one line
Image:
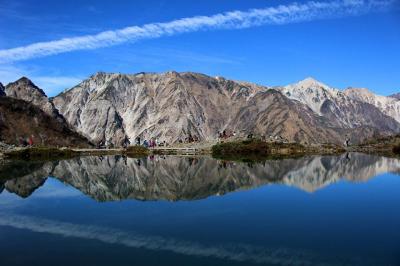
[(21, 120), (116, 108), (25, 89), (343, 108), (387, 105)]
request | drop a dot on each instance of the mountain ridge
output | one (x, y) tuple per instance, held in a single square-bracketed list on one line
[(114, 109)]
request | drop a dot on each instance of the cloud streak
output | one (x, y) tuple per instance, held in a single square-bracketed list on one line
[(279, 15), (236, 252)]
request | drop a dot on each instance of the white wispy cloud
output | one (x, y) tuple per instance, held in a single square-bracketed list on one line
[(283, 14)]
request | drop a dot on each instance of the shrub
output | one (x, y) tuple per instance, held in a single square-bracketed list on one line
[(136, 151), (247, 147), (396, 149)]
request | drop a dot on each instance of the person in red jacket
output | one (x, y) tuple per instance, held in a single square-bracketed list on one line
[(30, 140)]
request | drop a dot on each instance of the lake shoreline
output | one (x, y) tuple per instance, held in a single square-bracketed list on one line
[(233, 150)]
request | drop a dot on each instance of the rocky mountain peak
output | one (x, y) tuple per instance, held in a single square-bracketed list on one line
[(25, 89), (311, 92), (387, 105), (395, 96), (99, 75), (311, 83), (172, 73), (23, 85)]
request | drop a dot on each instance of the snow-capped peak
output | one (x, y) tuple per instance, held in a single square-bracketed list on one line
[(311, 92)]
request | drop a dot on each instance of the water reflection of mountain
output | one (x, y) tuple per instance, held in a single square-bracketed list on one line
[(108, 178)]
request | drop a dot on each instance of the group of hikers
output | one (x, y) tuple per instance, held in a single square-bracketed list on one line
[(26, 141), (224, 134), (150, 143), (189, 139), (154, 142)]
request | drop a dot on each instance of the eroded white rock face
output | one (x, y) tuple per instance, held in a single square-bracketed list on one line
[(387, 105), (310, 92), (343, 108), (116, 108), (113, 108)]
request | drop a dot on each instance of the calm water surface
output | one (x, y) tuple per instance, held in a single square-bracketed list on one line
[(113, 210)]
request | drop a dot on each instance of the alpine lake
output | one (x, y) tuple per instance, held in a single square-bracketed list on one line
[(196, 210)]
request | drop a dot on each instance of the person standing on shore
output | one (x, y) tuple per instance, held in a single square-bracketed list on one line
[(30, 140)]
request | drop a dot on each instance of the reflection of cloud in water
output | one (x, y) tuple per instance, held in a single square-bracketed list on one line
[(233, 252)]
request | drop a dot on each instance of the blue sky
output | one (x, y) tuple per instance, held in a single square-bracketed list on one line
[(340, 47)]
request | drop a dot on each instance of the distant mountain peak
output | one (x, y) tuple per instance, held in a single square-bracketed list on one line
[(99, 74), (25, 89), (395, 96), (311, 82), (25, 84)]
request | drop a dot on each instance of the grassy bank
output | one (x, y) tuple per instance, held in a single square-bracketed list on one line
[(241, 150), (40, 153), (389, 146), (52, 153), (136, 151), (257, 150)]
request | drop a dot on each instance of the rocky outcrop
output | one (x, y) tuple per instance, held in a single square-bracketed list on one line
[(341, 108), (24, 89), (387, 105), (27, 112), (21, 120)]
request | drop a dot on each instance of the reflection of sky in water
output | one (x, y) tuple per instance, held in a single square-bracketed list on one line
[(353, 223)]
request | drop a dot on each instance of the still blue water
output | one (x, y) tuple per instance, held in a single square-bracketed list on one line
[(113, 210)]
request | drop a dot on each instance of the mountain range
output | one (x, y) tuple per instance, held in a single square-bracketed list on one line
[(114, 109)]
